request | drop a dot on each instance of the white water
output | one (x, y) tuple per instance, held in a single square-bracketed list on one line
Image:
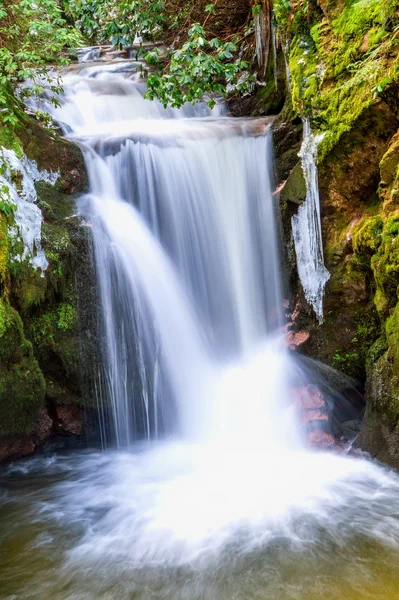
[(17, 188), (186, 254), (306, 227)]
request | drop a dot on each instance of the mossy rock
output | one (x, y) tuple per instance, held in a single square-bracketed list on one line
[(22, 385), (389, 165), (4, 251), (385, 266), (55, 337), (294, 189), (380, 435), (376, 249), (392, 337), (54, 204), (54, 153), (342, 64), (270, 98)]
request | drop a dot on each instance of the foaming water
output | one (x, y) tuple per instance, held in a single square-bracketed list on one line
[(188, 521), (220, 499)]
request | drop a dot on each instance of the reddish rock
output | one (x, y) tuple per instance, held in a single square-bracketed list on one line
[(296, 338), (69, 419), (310, 397), (12, 448), (311, 416), (323, 440), (16, 448)]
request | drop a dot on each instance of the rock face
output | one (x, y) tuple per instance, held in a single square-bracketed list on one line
[(40, 341), (344, 75)]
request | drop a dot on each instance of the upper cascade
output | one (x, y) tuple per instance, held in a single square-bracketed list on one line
[(186, 248)]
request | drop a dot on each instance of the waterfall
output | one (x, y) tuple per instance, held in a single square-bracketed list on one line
[(185, 239), (306, 227), (208, 490)]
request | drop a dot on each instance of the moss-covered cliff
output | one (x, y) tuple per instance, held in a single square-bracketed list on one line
[(343, 59), (39, 342)]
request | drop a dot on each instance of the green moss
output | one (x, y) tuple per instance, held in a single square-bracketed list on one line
[(349, 363), (22, 390), (54, 204), (384, 374), (305, 82), (54, 334), (340, 67), (294, 189), (377, 349), (22, 385), (392, 333), (4, 249), (28, 286), (385, 265), (359, 16), (56, 238), (10, 140), (367, 235), (376, 248), (353, 361), (11, 333), (46, 327)]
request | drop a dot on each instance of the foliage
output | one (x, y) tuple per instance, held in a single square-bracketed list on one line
[(200, 67), (31, 35), (119, 23), (353, 362), (45, 327), (293, 17)]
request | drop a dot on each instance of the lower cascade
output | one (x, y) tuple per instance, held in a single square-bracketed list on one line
[(206, 487)]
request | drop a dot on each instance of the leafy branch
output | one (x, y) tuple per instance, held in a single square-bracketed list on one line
[(201, 67)]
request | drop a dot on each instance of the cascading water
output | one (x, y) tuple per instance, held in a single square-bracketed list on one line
[(186, 252), (227, 502)]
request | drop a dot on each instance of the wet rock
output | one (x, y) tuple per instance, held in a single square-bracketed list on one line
[(380, 434), (294, 189), (54, 153), (351, 429), (14, 447), (40, 338), (323, 440), (296, 338), (69, 419)]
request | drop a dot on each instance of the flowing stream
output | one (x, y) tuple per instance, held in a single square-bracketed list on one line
[(205, 488)]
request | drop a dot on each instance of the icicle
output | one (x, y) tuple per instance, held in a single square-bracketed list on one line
[(262, 36), (306, 227)]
